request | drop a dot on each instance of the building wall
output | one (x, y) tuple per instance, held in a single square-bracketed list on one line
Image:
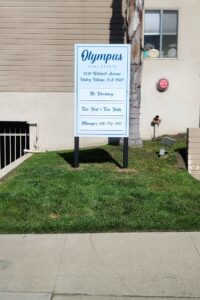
[(38, 37), (53, 113), (36, 65), (179, 106), (37, 61)]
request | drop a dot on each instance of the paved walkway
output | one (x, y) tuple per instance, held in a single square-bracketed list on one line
[(100, 266)]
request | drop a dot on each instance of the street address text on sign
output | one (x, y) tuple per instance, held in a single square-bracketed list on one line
[(102, 75)]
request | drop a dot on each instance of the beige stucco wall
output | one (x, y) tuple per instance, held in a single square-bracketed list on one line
[(179, 106), (37, 62), (52, 112)]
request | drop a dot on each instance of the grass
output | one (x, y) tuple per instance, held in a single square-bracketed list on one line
[(45, 194)]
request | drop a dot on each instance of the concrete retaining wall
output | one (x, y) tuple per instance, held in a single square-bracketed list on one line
[(194, 152)]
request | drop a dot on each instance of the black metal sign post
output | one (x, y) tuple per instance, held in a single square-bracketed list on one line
[(101, 98), (76, 152), (125, 153)]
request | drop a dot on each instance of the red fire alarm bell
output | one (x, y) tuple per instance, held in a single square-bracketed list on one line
[(162, 85)]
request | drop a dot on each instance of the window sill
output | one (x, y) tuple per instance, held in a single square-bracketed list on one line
[(161, 58)]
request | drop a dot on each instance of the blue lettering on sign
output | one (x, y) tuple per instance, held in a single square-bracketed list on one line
[(93, 57)]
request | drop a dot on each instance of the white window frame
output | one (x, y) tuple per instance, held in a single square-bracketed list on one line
[(161, 11)]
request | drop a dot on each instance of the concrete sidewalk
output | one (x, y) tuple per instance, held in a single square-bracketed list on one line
[(100, 266)]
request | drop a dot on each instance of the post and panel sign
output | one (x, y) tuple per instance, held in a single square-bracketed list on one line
[(102, 75)]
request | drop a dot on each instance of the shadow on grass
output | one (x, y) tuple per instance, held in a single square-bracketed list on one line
[(87, 156), (183, 154)]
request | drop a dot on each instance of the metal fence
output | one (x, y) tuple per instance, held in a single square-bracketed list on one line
[(14, 138)]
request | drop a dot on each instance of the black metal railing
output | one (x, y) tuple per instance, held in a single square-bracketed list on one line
[(14, 138)]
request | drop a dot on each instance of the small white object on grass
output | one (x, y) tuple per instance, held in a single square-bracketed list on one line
[(162, 152)]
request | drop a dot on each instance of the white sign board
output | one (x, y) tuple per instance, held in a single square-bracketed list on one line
[(102, 75)]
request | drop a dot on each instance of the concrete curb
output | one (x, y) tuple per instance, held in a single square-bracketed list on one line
[(5, 171), (25, 296)]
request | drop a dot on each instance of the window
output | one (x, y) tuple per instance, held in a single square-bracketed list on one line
[(161, 33)]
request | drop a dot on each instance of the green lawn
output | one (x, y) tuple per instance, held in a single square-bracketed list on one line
[(45, 194)]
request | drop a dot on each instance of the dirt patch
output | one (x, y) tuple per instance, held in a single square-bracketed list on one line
[(181, 164), (128, 171), (54, 216)]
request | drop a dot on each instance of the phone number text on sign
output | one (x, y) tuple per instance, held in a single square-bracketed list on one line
[(102, 90)]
